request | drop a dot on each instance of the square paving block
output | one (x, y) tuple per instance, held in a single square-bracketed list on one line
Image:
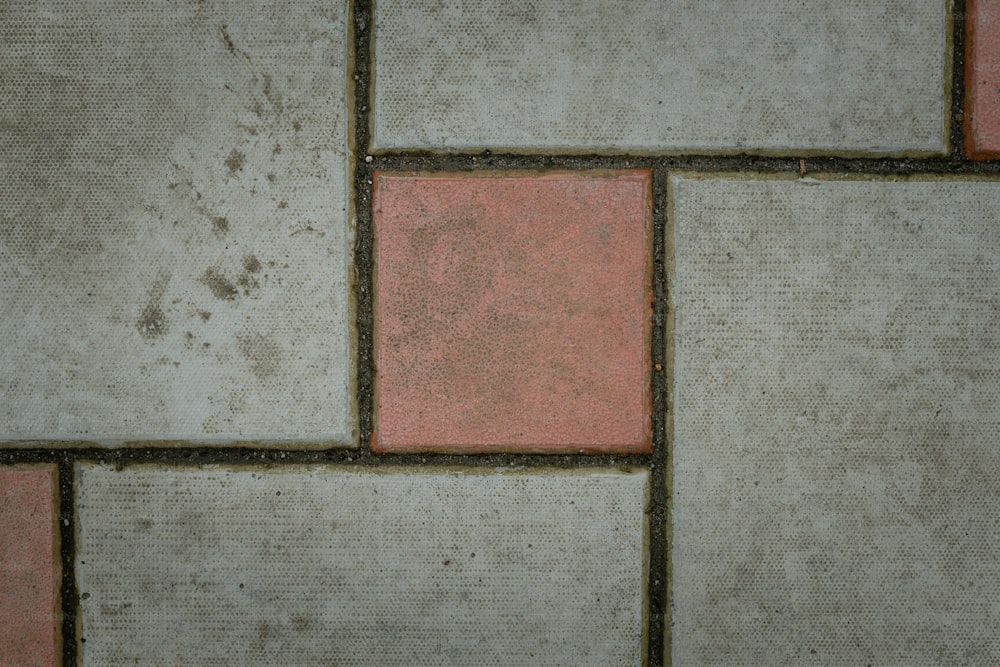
[(512, 312), (174, 239), (29, 567), (837, 377), (982, 79), (321, 566), (852, 76)]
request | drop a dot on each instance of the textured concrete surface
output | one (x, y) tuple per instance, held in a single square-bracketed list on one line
[(982, 79), (837, 376), (29, 567), (513, 312), (645, 75), (325, 566), (174, 241)]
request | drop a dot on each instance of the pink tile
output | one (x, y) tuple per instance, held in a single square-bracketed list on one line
[(29, 567), (982, 80), (513, 312)]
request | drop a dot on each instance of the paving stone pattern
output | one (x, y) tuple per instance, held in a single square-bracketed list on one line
[(29, 566), (319, 566), (837, 402), (647, 75), (451, 332), (174, 242)]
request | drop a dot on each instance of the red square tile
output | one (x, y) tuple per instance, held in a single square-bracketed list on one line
[(982, 80), (29, 566), (512, 312)]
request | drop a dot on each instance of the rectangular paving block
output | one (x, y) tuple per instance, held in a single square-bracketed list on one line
[(513, 311), (320, 565), (837, 403), (29, 567), (174, 238), (865, 76), (982, 79)]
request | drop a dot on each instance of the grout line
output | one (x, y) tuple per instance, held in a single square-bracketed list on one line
[(659, 556), (362, 19), (487, 160), (669, 351), (362, 458), (67, 548), (959, 16)]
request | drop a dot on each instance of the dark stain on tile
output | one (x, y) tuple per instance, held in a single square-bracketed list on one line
[(251, 263), (235, 161), (272, 95), (264, 355), (227, 40), (221, 287), (152, 322)]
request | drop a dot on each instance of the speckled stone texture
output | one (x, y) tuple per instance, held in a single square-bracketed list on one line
[(29, 567), (662, 75), (174, 241), (982, 79), (837, 403), (324, 566), (512, 312)]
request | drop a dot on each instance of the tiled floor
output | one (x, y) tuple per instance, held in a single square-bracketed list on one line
[(443, 332)]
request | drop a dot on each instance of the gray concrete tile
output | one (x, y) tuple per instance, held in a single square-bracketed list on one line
[(674, 76), (837, 380), (174, 234), (319, 565)]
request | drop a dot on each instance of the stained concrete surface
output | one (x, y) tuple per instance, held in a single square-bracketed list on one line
[(675, 76), (174, 237), (837, 400), (323, 565)]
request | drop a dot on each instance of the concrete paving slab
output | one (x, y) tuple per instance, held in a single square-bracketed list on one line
[(174, 239), (29, 567), (513, 312), (982, 82), (214, 566), (837, 379), (856, 76)]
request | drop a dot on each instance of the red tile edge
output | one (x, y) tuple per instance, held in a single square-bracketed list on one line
[(969, 143), (52, 648), (971, 147), (623, 450)]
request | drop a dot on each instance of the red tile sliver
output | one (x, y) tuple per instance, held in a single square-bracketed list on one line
[(29, 566), (982, 80), (513, 312)]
